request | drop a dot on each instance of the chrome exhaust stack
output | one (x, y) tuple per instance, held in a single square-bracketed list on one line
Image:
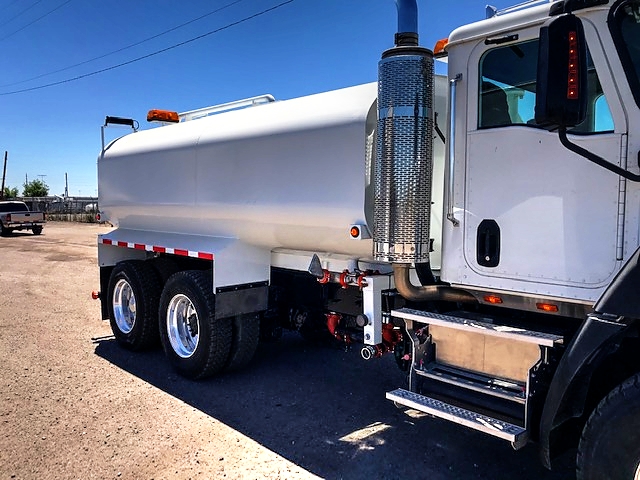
[(404, 157)]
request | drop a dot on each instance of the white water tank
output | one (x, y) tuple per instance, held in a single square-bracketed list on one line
[(294, 174)]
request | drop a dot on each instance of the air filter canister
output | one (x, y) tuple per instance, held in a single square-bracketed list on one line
[(404, 159)]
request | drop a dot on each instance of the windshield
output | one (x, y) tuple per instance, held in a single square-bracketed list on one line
[(625, 29)]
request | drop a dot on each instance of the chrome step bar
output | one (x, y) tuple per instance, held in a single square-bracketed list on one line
[(459, 323), (514, 434), (495, 387)]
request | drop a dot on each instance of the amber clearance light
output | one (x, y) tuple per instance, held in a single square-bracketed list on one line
[(547, 307), (440, 45), (493, 299), (163, 116)]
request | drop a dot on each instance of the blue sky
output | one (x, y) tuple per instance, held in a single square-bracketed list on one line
[(302, 47)]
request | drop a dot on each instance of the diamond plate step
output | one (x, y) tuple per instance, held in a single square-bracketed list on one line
[(512, 433), (459, 323)]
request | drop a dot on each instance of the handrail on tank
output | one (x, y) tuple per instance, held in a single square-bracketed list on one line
[(223, 107), (109, 120)]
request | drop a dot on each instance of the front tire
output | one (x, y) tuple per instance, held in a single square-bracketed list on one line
[(196, 342), (134, 294), (610, 443)]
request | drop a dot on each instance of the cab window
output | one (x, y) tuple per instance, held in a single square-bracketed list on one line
[(507, 91), (624, 23)]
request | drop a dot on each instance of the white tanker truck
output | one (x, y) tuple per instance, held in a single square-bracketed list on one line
[(498, 262)]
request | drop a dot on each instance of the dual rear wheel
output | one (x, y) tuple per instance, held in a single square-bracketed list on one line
[(182, 316)]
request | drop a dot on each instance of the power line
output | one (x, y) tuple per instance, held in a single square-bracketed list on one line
[(157, 52), (123, 48), (34, 21), (18, 14)]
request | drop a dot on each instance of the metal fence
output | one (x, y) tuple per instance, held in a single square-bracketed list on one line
[(73, 209)]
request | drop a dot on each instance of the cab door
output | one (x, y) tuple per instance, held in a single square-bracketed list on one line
[(537, 217)]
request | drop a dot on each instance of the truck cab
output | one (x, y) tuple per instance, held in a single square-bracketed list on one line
[(541, 228), (530, 216)]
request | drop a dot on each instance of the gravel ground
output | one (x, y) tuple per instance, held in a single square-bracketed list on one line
[(75, 405)]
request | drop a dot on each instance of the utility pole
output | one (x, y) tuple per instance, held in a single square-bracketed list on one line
[(66, 186), (4, 174)]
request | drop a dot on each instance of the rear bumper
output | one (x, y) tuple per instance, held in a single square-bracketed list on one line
[(24, 225)]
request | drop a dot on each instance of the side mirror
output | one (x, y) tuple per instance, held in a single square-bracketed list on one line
[(561, 86)]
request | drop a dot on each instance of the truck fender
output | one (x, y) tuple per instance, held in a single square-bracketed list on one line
[(621, 297), (567, 395), (597, 338)]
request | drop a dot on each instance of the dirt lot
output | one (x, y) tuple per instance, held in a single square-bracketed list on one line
[(75, 405)]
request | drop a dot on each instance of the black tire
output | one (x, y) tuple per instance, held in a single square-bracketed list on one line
[(37, 230), (137, 330), (244, 342), (610, 443), (4, 231), (196, 342)]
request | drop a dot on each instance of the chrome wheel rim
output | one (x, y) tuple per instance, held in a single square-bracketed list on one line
[(124, 306), (183, 326)]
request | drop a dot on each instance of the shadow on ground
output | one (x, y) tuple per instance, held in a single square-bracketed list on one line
[(325, 410)]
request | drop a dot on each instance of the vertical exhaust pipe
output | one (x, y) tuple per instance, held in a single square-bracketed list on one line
[(404, 159), (407, 23), (404, 156)]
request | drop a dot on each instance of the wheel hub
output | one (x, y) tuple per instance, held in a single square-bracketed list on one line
[(124, 306), (182, 326)]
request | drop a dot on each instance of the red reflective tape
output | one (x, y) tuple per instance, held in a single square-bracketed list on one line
[(158, 249)]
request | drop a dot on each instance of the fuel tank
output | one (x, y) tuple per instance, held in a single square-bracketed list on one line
[(294, 174)]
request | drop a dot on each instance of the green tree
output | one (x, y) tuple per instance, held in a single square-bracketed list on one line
[(10, 192), (35, 188)]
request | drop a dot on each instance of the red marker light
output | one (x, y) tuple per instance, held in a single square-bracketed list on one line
[(573, 93)]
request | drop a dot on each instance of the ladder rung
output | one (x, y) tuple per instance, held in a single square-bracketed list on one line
[(498, 388), (516, 435), (458, 323)]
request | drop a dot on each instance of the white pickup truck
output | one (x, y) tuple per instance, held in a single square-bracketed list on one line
[(16, 216)]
